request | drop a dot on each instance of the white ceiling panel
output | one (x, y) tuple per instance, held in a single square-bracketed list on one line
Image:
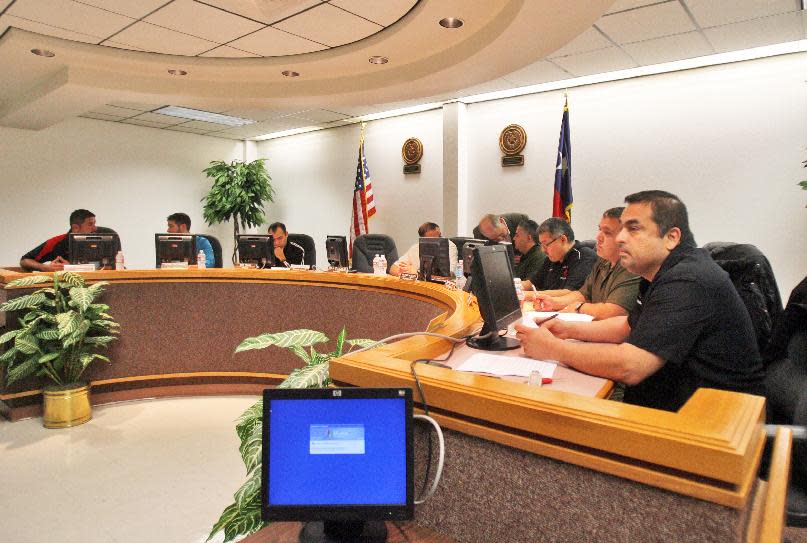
[(384, 13), (136, 105), (227, 52), (41, 28), (137, 121), (538, 72), (646, 23), (260, 114), (668, 48), (202, 125), (101, 117), (129, 8), (593, 62), (341, 28), (622, 5), (710, 13), (319, 116), (70, 15), (115, 111), (756, 32), (271, 42), (4, 4), (490, 86), (148, 36), (189, 130), (161, 119), (118, 45), (203, 21), (265, 12), (590, 40)]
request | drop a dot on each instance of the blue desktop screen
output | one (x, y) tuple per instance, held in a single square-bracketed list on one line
[(337, 452)]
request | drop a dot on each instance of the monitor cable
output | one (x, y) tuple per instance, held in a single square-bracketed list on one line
[(440, 460)]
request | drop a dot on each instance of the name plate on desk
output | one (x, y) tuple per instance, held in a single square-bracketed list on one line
[(299, 266), (174, 266), (81, 267)]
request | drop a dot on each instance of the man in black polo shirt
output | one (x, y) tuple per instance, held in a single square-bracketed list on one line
[(689, 329), (53, 254), (567, 264), (286, 252)]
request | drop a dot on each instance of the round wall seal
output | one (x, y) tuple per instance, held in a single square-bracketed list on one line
[(512, 140), (412, 151)]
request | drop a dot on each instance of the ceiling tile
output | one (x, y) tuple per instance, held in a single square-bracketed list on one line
[(488, 86), (159, 118), (319, 116), (156, 38), (203, 21), (101, 117), (590, 40), (622, 5), (138, 122), (40, 28), (227, 52), (136, 105), (756, 32), (71, 16), (710, 13), (271, 42), (115, 111), (260, 114), (595, 62), (538, 72), (329, 25), (182, 128), (265, 12), (668, 48), (646, 23), (137, 9), (384, 13), (118, 45), (203, 125), (4, 4)]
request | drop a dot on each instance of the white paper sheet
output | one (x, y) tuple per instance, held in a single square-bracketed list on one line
[(495, 364), (530, 317)]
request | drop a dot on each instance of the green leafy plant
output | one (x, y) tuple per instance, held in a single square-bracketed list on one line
[(239, 192), (61, 331), (243, 517)]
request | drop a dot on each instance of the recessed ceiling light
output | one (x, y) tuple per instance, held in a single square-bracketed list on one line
[(378, 60), (451, 22), (43, 53), (290, 73), (200, 115), (174, 71)]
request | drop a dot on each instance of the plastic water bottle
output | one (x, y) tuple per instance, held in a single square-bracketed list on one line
[(459, 275), (519, 290), (200, 260), (119, 261), (383, 265), (376, 263)]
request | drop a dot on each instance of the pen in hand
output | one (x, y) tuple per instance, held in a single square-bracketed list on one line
[(542, 321)]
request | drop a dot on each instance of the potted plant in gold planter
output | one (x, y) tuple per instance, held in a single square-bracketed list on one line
[(58, 337)]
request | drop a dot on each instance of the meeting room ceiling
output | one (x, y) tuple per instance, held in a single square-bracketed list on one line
[(112, 57)]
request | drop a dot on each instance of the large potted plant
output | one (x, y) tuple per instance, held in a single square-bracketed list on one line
[(58, 337), (243, 517), (239, 192)]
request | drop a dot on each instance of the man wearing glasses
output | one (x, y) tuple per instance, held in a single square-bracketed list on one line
[(567, 264)]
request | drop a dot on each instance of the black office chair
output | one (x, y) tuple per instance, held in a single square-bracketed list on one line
[(367, 246), (307, 243), (460, 242), (590, 243), (214, 242), (105, 230)]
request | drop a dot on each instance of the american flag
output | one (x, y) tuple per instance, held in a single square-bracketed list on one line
[(363, 202)]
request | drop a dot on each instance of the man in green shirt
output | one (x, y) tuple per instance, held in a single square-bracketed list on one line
[(609, 290), (531, 258)]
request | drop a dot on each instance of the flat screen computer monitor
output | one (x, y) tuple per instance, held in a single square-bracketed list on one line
[(492, 278), (172, 248), (258, 250), (98, 249), (340, 459), (511, 252), (336, 250), (434, 258), (468, 253)]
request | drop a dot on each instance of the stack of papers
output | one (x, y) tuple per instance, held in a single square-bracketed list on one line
[(495, 364)]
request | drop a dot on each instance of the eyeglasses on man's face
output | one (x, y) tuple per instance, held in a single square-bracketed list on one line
[(545, 245)]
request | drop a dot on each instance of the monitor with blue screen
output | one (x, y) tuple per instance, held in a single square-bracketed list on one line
[(340, 457)]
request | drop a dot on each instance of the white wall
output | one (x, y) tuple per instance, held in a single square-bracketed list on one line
[(314, 175), (131, 177), (729, 140)]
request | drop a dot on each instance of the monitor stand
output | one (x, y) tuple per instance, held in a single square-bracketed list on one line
[(490, 340), (344, 532)]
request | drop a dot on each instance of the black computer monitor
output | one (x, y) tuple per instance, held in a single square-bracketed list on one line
[(98, 249), (492, 279), (336, 250), (434, 258), (171, 248), (340, 459), (468, 253), (511, 251), (256, 249)]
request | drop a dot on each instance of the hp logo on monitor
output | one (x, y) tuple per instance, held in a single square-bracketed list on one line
[(337, 393)]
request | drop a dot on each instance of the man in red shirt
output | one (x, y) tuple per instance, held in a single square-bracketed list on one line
[(53, 254)]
